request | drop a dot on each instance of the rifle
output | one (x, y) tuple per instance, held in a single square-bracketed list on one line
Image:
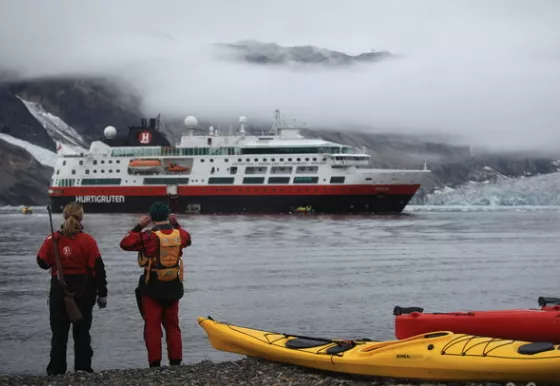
[(72, 310)]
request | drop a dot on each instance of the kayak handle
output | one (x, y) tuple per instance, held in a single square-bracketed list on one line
[(543, 301), (398, 310)]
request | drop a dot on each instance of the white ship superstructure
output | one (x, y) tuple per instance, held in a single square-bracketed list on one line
[(239, 173)]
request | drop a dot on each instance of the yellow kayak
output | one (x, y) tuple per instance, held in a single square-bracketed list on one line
[(440, 355)]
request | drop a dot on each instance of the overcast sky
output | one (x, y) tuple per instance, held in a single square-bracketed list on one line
[(486, 70)]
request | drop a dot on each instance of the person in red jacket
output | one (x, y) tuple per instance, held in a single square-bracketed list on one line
[(84, 273), (160, 252)]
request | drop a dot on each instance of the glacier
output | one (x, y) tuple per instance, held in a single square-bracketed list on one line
[(42, 155), (542, 190), (58, 130)]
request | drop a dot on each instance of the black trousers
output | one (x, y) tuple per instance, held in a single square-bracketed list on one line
[(60, 327)]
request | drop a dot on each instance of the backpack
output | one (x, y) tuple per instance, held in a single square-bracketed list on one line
[(168, 265)]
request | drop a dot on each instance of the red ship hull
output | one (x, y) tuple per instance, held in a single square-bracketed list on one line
[(532, 325), (227, 199)]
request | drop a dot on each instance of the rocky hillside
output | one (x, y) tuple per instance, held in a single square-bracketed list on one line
[(24, 180), (260, 53)]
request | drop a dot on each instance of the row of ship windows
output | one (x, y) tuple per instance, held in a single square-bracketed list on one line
[(81, 162), (233, 170), (171, 151), (211, 181)]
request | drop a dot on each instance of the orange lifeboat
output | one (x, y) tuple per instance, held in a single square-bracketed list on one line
[(144, 165), (173, 167)]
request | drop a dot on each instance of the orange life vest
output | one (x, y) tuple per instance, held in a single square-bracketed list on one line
[(168, 265)]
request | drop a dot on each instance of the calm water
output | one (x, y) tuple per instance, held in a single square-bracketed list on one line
[(327, 276)]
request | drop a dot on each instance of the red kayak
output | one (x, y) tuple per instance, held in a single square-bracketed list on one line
[(531, 325)]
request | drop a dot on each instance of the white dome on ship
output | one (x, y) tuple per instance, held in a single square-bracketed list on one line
[(191, 122), (242, 119), (110, 132)]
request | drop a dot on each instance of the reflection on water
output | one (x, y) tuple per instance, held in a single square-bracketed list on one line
[(323, 275)]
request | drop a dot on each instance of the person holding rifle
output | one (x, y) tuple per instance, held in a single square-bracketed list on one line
[(78, 278)]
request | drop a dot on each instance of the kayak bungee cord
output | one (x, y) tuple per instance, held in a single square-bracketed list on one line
[(468, 338)]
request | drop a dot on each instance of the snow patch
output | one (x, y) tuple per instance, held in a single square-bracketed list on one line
[(42, 155), (59, 130)]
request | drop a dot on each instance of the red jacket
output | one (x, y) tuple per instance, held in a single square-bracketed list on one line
[(148, 242), (79, 258)]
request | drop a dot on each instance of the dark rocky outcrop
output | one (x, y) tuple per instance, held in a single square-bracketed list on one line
[(88, 105), (260, 53), (16, 121), (24, 180)]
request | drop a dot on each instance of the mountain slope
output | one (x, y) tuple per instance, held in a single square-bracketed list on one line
[(24, 180), (255, 52)]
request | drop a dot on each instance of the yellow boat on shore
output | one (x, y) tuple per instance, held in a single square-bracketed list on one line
[(440, 355)]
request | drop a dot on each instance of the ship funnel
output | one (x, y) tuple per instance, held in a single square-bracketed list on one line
[(143, 123), (152, 123)]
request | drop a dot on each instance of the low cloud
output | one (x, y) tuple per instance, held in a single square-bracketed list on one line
[(487, 73)]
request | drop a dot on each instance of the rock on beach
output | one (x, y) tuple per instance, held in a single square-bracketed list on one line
[(245, 372)]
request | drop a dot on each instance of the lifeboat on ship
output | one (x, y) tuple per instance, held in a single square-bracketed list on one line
[(176, 168), (144, 165)]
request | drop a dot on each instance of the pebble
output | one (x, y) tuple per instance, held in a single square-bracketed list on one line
[(248, 372)]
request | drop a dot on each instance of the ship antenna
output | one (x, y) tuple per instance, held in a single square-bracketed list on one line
[(157, 121), (277, 120)]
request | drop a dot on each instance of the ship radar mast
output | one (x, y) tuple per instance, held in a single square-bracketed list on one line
[(277, 122), (242, 121)]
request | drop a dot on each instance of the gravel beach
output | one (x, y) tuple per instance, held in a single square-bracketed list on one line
[(247, 371)]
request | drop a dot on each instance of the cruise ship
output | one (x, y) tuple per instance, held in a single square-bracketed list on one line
[(210, 173)]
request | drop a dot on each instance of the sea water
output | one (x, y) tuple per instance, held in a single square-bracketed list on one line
[(330, 276)]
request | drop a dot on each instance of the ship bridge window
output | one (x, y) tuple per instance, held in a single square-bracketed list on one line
[(281, 170), (307, 169), (253, 180), (337, 180), (220, 180), (101, 181), (166, 181), (195, 151), (233, 170), (255, 170), (306, 180), (279, 180), (290, 150), (127, 152)]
